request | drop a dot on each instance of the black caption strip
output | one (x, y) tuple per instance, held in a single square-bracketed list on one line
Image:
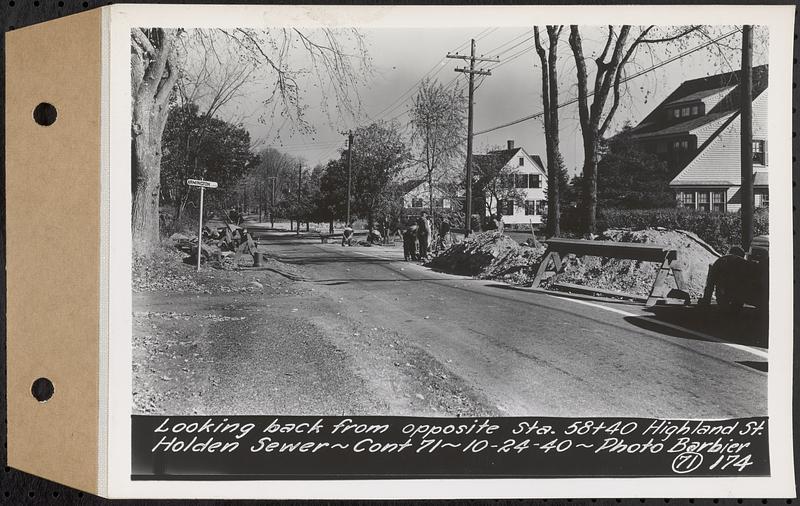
[(295, 447)]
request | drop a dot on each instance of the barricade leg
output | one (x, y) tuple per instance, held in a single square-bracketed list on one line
[(659, 285)]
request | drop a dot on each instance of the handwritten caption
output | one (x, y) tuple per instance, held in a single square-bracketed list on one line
[(663, 447)]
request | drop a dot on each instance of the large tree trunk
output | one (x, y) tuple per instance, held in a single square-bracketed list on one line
[(590, 186), (554, 164), (153, 76), (550, 106)]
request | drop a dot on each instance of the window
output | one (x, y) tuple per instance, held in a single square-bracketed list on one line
[(521, 161), (530, 207), (417, 202), (680, 145), (445, 203), (703, 201), (507, 180), (695, 110), (520, 180), (676, 112), (761, 198), (535, 180), (541, 207), (759, 153), (686, 199), (718, 201), (686, 111), (506, 207)]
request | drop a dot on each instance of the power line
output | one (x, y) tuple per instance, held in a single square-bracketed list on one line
[(492, 51), (626, 79)]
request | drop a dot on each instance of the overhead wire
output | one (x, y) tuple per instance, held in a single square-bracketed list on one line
[(626, 79)]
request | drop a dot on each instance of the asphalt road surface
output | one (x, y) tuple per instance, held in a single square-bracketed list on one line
[(533, 353)]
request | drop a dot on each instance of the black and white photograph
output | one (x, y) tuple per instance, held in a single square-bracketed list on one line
[(362, 255), (555, 232)]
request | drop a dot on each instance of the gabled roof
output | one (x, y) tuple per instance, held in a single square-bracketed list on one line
[(643, 131), (714, 163), (695, 89), (700, 95), (500, 158), (407, 186)]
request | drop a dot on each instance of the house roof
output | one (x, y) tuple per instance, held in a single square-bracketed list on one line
[(499, 158), (653, 124), (645, 131), (700, 95), (761, 179), (407, 186)]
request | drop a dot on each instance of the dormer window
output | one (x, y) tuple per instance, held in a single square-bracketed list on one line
[(684, 111)]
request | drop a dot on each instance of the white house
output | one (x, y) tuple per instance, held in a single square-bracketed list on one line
[(515, 182)]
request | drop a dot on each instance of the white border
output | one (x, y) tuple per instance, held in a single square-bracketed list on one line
[(779, 19)]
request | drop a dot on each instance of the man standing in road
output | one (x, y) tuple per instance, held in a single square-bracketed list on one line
[(423, 235)]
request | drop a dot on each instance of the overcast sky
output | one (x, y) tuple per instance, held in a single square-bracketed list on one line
[(401, 57)]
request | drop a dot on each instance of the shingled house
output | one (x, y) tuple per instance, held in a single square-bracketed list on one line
[(696, 131)]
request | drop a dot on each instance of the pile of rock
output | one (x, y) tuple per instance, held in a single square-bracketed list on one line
[(490, 255)]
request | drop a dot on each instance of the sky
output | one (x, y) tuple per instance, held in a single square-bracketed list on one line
[(400, 58)]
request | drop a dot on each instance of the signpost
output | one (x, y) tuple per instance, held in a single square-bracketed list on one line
[(203, 185)]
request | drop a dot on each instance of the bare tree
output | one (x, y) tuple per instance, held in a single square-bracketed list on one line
[(555, 163), (212, 77), (437, 119), (619, 47), (156, 66)]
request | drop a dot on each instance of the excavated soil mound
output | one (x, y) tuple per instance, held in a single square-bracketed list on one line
[(694, 257), (490, 255)]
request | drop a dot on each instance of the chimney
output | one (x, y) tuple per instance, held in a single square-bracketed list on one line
[(511, 144)]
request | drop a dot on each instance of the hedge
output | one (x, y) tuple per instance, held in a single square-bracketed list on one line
[(720, 230)]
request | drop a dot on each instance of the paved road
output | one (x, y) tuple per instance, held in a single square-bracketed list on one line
[(533, 353)]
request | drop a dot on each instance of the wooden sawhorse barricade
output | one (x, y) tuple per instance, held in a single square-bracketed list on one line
[(557, 249)]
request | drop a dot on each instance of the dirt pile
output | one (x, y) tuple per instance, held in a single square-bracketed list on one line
[(694, 257), (490, 255)]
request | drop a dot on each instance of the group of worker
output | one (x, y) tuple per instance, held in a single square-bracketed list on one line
[(419, 237)]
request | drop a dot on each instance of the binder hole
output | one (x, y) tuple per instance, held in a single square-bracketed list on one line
[(45, 114), (42, 389)]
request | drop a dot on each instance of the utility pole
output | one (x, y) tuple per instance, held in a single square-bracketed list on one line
[(471, 72), (299, 186), (746, 96), (349, 170)]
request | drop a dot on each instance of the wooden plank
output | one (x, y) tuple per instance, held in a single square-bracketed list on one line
[(611, 249), (542, 267)]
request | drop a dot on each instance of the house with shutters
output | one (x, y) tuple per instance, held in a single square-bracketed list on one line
[(696, 130), (512, 181)]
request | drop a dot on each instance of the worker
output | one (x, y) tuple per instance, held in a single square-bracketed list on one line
[(423, 235), (410, 243), (498, 222), (347, 235)]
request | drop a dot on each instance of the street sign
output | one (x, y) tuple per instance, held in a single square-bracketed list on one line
[(203, 185), (200, 182)]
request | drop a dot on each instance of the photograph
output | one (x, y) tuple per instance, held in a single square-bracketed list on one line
[(369, 221)]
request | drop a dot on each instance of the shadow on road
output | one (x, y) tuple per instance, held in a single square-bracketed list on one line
[(565, 295), (749, 326), (322, 260)]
